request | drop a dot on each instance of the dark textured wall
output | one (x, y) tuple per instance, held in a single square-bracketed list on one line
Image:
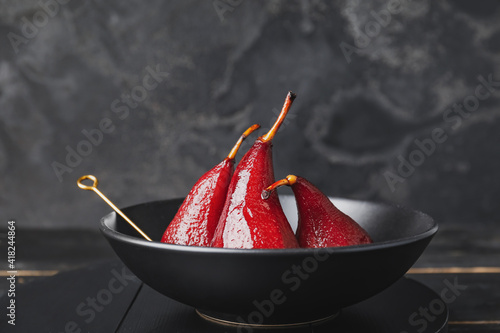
[(171, 85)]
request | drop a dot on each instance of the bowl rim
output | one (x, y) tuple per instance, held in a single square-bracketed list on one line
[(111, 233)]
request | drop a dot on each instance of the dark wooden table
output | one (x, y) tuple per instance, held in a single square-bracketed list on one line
[(462, 256)]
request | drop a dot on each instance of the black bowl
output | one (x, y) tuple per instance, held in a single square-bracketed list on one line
[(272, 287)]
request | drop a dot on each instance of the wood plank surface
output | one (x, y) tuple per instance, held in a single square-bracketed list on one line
[(93, 299), (465, 256)]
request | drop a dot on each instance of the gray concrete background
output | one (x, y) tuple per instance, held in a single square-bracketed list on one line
[(171, 85)]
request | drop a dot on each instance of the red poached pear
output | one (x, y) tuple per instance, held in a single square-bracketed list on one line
[(248, 221), (320, 223), (197, 217)]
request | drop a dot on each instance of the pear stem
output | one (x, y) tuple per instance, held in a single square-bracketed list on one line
[(234, 151), (290, 97), (289, 180)]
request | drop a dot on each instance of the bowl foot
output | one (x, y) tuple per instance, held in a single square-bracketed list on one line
[(234, 320)]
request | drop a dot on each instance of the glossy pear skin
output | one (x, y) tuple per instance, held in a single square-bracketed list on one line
[(248, 221), (321, 224), (197, 217)]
